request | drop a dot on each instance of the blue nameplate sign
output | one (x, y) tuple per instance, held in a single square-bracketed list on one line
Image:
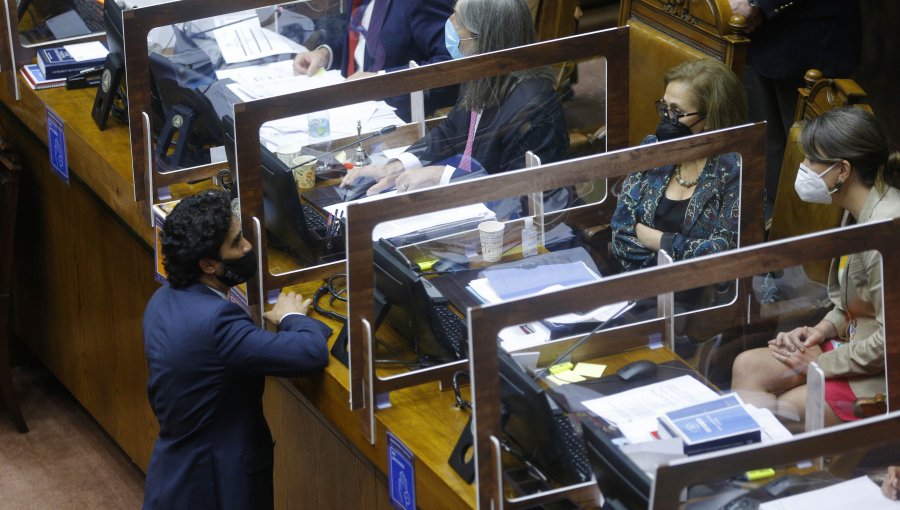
[(56, 142), (401, 474)]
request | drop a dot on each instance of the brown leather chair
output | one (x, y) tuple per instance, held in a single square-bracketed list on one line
[(665, 33), (792, 216), (10, 170)]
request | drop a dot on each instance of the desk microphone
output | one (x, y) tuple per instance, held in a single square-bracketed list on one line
[(540, 373), (383, 131)]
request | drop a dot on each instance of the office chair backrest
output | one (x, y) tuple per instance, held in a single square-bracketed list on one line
[(792, 216), (665, 34)]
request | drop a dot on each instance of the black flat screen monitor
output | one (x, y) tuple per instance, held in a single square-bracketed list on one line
[(535, 430), (617, 475)]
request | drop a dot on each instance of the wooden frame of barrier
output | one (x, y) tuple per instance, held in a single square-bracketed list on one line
[(136, 25), (250, 116), (486, 322), (365, 387)]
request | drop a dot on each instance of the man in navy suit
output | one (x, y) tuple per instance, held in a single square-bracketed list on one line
[(384, 35), (208, 361), (788, 38)]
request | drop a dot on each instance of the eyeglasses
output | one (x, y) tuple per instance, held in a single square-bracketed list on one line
[(669, 114)]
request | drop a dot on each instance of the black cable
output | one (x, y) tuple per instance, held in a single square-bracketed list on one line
[(335, 294), (460, 402)]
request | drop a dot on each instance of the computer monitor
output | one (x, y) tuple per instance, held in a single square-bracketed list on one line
[(281, 204), (536, 429), (617, 475)]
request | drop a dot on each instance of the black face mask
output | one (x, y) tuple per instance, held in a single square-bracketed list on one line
[(238, 271), (665, 130)]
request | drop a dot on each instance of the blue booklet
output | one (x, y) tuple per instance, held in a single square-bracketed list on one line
[(714, 425)]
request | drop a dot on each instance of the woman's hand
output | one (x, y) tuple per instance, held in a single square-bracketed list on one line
[(800, 338), (648, 236), (419, 178), (384, 175), (797, 360)]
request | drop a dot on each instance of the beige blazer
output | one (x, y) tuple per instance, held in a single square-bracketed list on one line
[(856, 294)]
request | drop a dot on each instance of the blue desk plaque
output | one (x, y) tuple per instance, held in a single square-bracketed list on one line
[(56, 140), (401, 474)]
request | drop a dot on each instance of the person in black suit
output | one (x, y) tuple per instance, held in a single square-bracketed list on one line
[(208, 361), (385, 35), (495, 121), (788, 38)]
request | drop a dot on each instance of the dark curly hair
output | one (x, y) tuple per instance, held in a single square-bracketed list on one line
[(195, 229)]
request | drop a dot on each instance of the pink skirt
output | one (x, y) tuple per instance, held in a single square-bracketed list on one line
[(838, 394)]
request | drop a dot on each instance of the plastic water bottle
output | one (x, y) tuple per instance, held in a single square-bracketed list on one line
[(529, 238), (319, 126)]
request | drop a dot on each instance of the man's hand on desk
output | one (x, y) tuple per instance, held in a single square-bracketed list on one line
[(286, 304), (385, 174), (361, 74), (310, 62), (419, 178)]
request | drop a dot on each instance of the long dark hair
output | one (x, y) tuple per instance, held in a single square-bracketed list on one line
[(496, 25)]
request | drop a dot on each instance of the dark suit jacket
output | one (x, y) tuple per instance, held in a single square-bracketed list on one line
[(207, 362), (408, 30), (798, 35), (530, 118)]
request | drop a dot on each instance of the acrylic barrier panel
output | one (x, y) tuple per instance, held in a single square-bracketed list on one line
[(850, 465), (309, 161), (47, 24), (428, 269), (200, 68), (641, 404)]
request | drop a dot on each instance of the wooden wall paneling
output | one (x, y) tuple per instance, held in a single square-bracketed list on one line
[(81, 289)]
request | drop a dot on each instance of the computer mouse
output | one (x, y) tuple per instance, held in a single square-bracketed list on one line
[(637, 370)]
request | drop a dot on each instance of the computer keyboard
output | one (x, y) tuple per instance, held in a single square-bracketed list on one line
[(574, 444), (313, 219), (91, 12), (450, 331)]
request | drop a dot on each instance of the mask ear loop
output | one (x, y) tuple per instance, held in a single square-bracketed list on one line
[(837, 185)]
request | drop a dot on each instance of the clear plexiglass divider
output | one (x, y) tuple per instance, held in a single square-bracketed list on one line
[(775, 308), (371, 387)]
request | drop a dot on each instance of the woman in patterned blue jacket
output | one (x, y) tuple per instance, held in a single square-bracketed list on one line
[(691, 208)]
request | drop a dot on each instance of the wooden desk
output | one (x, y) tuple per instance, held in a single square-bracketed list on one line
[(84, 275)]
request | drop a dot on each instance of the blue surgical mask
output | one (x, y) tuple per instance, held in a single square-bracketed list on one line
[(451, 40)]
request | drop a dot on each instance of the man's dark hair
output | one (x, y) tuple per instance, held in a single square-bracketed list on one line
[(195, 229)]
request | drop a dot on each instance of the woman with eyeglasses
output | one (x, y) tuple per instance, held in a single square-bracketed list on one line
[(847, 163), (495, 121), (690, 208)]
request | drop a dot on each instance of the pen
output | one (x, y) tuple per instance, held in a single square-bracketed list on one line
[(90, 70)]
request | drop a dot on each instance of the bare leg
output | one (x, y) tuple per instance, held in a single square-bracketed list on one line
[(793, 403), (759, 378)]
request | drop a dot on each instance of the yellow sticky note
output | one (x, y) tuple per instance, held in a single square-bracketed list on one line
[(567, 376), (589, 369)]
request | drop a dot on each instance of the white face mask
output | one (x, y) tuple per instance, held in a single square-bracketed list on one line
[(811, 186)]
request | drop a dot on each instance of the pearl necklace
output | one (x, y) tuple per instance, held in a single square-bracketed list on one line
[(681, 181)]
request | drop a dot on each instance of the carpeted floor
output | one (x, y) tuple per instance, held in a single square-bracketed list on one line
[(65, 461)]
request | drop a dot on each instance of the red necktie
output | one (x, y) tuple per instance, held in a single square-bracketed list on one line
[(466, 162), (353, 40)]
